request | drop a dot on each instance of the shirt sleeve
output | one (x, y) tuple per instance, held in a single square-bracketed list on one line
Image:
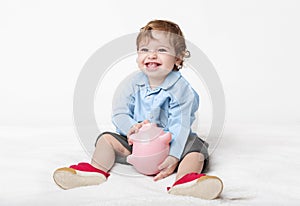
[(123, 106), (181, 115)]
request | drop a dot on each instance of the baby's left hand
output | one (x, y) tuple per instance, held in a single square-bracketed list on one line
[(166, 168)]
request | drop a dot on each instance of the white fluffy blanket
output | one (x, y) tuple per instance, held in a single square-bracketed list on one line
[(258, 164)]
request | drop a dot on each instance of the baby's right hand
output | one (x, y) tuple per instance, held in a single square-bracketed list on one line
[(135, 128)]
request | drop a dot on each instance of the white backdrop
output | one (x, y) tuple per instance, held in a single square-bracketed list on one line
[(254, 46)]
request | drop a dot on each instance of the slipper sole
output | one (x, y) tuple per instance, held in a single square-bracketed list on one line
[(68, 178), (206, 187)]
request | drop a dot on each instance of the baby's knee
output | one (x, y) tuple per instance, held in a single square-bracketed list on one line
[(104, 139), (195, 156), (114, 143)]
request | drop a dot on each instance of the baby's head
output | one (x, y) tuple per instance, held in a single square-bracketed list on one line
[(173, 33)]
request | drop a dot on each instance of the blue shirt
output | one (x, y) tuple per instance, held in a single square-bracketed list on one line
[(172, 106)]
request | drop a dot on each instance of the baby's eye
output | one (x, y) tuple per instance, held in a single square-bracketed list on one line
[(144, 50), (162, 50)]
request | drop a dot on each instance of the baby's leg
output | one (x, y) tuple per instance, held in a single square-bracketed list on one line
[(192, 162), (190, 182), (85, 174), (107, 147)]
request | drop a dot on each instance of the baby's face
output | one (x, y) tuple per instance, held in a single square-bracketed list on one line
[(156, 56)]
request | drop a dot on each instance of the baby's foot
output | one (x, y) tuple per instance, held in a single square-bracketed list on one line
[(197, 185), (79, 175)]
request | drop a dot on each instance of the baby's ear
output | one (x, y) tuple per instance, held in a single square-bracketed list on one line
[(178, 61)]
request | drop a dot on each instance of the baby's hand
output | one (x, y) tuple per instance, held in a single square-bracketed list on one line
[(135, 128)]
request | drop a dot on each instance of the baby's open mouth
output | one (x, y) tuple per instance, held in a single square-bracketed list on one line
[(152, 65)]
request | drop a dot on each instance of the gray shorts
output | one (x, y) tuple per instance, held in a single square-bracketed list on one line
[(193, 144)]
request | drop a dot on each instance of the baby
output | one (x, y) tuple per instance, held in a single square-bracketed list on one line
[(157, 94)]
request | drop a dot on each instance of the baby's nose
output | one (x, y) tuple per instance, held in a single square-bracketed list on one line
[(152, 54)]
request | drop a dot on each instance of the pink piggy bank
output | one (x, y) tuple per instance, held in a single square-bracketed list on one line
[(150, 148)]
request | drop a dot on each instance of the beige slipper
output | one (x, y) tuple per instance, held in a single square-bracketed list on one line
[(198, 185), (79, 175)]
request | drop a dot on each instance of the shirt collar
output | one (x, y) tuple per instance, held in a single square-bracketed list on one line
[(170, 80)]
